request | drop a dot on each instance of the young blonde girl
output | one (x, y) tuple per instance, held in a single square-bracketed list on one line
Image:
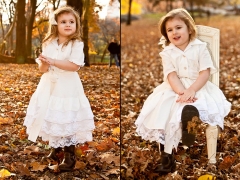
[(59, 111), (186, 92)]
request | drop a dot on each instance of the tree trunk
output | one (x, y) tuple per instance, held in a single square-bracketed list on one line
[(191, 6), (129, 12), (82, 6), (21, 56), (85, 32), (33, 6), (77, 5), (1, 25)]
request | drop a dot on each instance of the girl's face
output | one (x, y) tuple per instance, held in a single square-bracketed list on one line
[(178, 33), (66, 25)]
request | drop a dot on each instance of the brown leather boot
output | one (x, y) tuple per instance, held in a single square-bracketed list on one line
[(69, 160), (168, 164), (188, 113), (53, 154)]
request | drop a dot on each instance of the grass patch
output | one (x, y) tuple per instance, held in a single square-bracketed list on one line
[(94, 58), (153, 16)]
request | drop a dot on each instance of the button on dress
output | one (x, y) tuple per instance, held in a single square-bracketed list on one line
[(160, 117), (59, 111)]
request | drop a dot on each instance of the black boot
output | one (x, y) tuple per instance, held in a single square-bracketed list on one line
[(188, 113), (53, 154), (168, 164), (69, 160)]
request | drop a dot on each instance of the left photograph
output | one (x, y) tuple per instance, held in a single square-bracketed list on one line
[(60, 89)]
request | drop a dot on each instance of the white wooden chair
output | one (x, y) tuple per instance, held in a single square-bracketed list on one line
[(212, 37)]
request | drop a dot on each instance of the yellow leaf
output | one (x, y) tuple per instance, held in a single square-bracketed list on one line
[(116, 131), (4, 173), (207, 177)]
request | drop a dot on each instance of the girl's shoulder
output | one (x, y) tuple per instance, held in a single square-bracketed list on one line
[(49, 42), (77, 42), (198, 42)]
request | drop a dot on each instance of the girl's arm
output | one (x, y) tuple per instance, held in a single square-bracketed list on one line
[(189, 94), (43, 66), (175, 83), (64, 65)]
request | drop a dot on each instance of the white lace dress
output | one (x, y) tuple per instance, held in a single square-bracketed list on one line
[(59, 111), (160, 117)]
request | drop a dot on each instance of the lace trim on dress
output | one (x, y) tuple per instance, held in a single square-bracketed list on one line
[(158, 135), (75, 139)]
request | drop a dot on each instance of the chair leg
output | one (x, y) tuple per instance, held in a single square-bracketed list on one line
[(212, 135)]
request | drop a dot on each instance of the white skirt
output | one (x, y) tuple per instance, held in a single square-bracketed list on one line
[(160, 117), (67, 118)]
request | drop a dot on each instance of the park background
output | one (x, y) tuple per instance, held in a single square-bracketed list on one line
[(99, 19), (23, 25), (142, 72)]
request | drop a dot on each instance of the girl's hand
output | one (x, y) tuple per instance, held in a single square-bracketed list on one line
[(188, 95), (46, 60)]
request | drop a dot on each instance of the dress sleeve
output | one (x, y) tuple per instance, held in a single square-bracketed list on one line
[(77, 55), (205, 60), (168, 66)]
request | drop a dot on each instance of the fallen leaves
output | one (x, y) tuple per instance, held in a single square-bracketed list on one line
[(23, 158)]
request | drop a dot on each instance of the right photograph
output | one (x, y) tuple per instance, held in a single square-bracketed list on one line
[(180, 106)]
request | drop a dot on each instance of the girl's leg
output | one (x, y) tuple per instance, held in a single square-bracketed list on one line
[(188, 139), (168, 163), (69, 160)]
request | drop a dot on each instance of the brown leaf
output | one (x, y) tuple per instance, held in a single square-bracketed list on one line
[(21, 168), (80, 165), (31, 150), (36, 166), (109, 158)]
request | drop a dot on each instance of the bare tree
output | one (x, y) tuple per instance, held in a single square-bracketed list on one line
[(32, 11), (21, 55), (9, 8), (82, 6), (129, 12)]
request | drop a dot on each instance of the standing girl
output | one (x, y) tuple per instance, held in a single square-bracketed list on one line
[(186, 92), (59, 111)]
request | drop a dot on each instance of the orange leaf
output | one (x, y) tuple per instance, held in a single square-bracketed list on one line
[(37, 166), (80, 165)]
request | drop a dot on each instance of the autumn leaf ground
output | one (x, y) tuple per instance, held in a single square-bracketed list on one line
[(142, 72), (99, 159)]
